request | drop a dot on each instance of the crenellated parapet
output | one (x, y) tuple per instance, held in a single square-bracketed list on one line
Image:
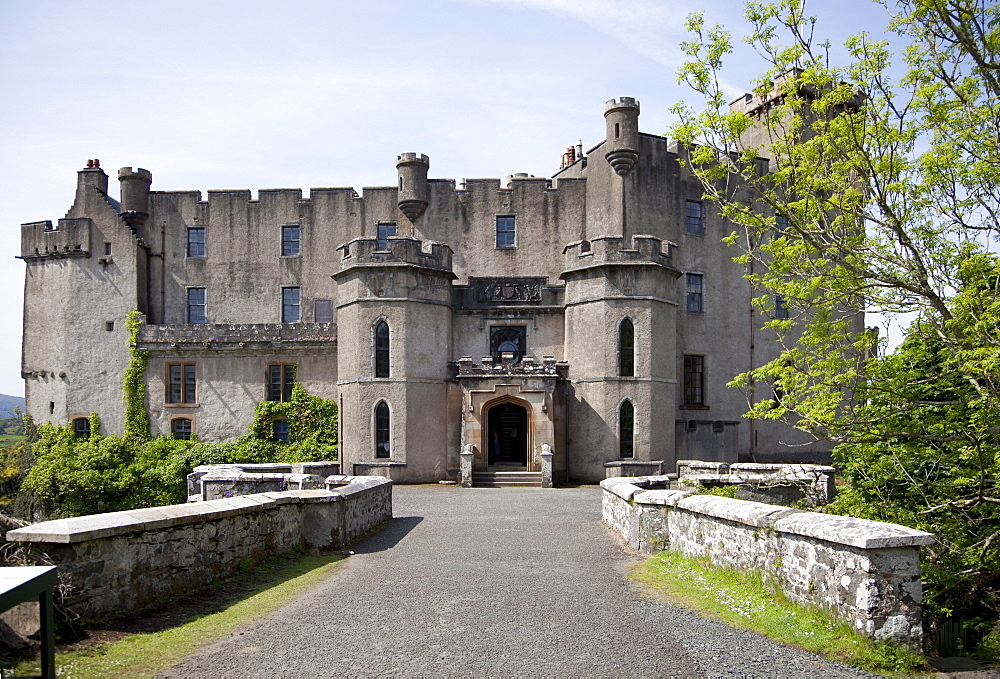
[(236, 336), (506, 366), (68, 238), (400, 251), (615, 250)]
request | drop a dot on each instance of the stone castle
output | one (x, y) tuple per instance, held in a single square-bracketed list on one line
[(583, 325)]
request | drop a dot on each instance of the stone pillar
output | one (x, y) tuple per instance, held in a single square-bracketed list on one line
[(467, 455), (546, 465)]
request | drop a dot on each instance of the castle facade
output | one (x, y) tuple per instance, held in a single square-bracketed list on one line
[(582, 325)]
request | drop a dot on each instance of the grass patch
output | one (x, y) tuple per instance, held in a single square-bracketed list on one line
[(253, 593), (744, 600), (9, 440)]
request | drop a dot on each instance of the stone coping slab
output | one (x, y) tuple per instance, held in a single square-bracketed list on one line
[(111, 524), (844, 530)]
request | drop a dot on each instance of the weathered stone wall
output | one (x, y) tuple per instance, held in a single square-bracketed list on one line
[(121, 561), (865, 572)]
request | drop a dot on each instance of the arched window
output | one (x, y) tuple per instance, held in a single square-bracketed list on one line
[(626, 348), (382, 349), (382, 430), (81, 427), (180, 428), (626, 428)]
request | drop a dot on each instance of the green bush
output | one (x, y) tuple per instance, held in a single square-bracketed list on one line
[(73, 476)]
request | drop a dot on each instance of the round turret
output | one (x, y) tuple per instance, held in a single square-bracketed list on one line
[(412, 168), (135, 195), (622, 116)]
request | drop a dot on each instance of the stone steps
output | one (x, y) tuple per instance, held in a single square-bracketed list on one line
[(506, 479)]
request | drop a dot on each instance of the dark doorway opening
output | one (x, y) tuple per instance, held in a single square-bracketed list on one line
[(507, 431)]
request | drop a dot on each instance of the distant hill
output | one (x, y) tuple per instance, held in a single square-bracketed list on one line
[(7, 404)]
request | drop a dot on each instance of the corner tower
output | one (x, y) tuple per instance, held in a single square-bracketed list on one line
[(394, 343), (621, 320), (412, 169), (622, 118)]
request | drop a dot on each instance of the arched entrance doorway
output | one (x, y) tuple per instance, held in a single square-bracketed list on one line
[(507, 435)]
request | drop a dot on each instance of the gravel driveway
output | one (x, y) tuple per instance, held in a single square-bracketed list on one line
[(511, 581)]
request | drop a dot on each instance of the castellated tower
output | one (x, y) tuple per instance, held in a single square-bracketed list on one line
[(83, 275), (392, 369), (621, 345), (622, 118), (135, 195), (412, 169)]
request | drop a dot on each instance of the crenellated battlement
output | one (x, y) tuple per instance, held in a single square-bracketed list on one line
[(640, 249), (620, 103), (42, 240), (401, 250)]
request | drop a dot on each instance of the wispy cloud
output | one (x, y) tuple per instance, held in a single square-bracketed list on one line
[(648, 27)]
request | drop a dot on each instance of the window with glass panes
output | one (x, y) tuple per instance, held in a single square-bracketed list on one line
[(694, 298), (290, 240), (384, 231), (694, 380), (291, 309), (280, 380), (196, 241), (506, 231), (182, 383), (693, 218), (196, 305)]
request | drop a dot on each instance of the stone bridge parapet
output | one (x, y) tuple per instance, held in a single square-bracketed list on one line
[(864, 572), (119, 562)]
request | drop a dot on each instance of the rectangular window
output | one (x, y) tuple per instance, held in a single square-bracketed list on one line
[(196, 305), (694, 380), (182, 383), (384, 231), (508, 338), (693, 222), (280, 380), (291, 311), (290, 240), (506, 232), (323, 311), (780, 224), (694, 297), (780, 307), (196, 241)]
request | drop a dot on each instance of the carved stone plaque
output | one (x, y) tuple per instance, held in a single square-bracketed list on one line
[(508, 290)]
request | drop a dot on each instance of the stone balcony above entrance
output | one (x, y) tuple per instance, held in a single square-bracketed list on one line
[(527, 367)]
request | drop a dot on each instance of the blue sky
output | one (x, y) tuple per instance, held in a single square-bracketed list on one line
[(224, 95)]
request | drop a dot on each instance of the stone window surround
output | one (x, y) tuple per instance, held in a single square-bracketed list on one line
[(288, 305), (619, 428), (284, 392), (376, 371), (192, 302), (81, 426), (701, 403), (512, 231), (167, 395), (388, 430), (291, 247), (694, 305), (176, 420), (624, 368), (195, 247)]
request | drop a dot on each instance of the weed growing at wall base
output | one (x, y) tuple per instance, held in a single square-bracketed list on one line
[(743, 599)]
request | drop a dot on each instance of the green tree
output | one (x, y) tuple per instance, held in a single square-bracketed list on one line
[(881, 194)]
